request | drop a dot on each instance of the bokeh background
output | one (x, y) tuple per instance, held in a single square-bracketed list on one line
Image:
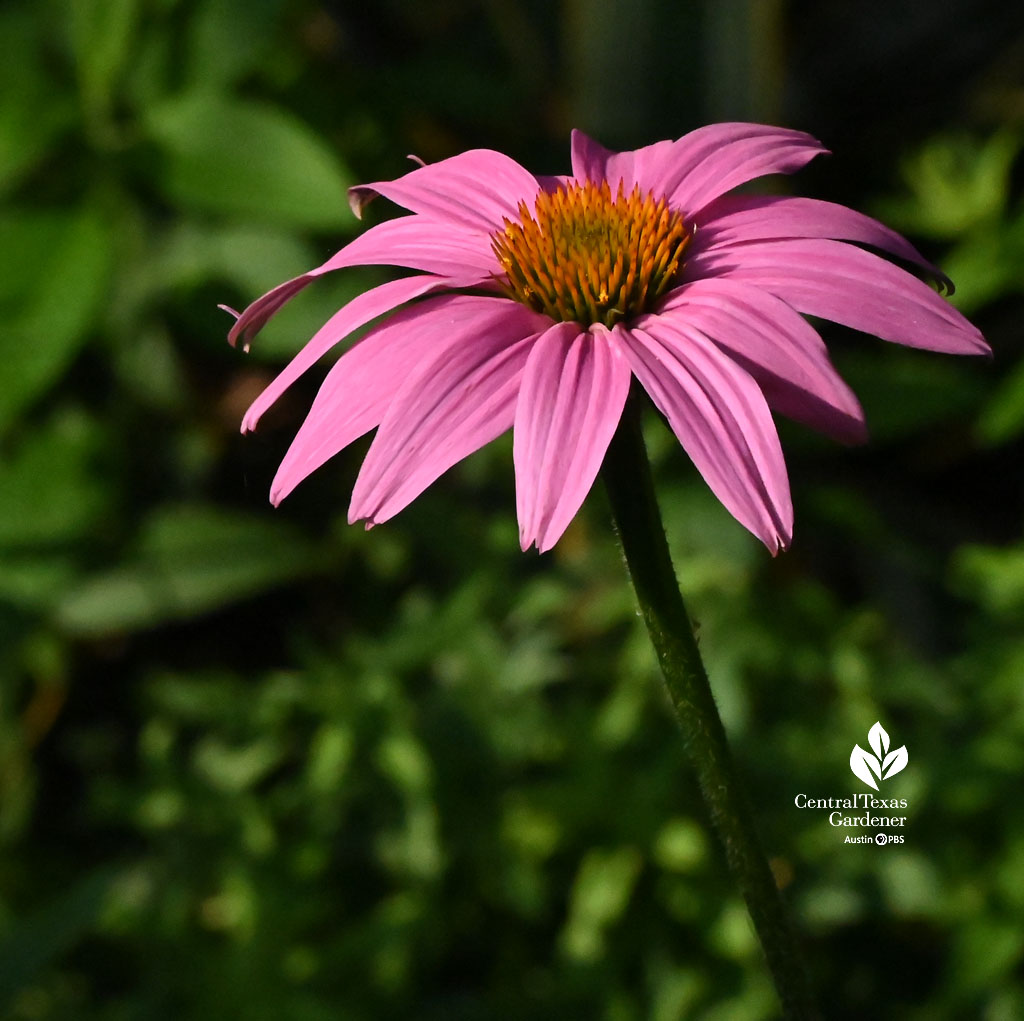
[(259, 764)]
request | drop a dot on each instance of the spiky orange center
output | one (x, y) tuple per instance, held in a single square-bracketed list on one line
[(585, 256)]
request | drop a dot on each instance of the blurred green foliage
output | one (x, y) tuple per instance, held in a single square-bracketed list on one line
[(259, 764)]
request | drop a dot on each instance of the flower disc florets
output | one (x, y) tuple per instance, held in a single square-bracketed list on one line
[(583, 256)]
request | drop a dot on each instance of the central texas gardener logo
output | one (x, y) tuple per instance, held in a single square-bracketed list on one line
[(882, 764)]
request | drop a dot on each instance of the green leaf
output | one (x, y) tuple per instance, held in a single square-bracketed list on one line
[(984, 953), (29, 240), (254, 258), (218, 53), (248, 160), (64, 266), (102, 35), (992, 575), (600, 894), (35, 581), (190, 560), (956, 182), (32, 109), (50, 491)]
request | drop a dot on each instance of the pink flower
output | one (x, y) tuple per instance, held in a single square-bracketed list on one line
[(537, 299)]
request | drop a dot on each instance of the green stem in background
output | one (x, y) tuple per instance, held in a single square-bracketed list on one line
[(627, 478)]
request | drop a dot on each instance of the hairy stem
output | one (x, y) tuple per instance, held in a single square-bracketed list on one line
[(627, 478)]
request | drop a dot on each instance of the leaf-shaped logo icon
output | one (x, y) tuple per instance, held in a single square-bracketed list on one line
[(879, 740), (894, 762), (883, 763), (863, 764)]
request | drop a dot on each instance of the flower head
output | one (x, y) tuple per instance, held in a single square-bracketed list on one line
[(536, 300)]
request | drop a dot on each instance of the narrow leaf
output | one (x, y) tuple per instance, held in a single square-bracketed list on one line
[(56, 307), (878, 739), (894, 762), (191, 559), (860, 761)]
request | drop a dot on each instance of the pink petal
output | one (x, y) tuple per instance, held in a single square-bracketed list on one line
[(418, 243), (722, 421), (421, 243), (360, 387), (458, 395), (715, 159), (552, 182), (776, 345), (739, 219), (254, 317), (591, 161), (701, 165), (589, 158), (476, 190), (358, 312), (573, 390), (847, 285)]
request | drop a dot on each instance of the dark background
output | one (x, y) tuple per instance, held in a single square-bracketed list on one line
[(259, 764)]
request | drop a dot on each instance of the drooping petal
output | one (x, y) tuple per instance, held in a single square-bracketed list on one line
[(457, 397), (573, 390), (714, 159), (361, 386), (257, 314), (740, 219), (358, 312), (722, 421), (462, 255), (777, 346), (847, 285), (475, 189)]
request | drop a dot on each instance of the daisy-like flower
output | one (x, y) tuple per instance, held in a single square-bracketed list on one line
[(536, 300)]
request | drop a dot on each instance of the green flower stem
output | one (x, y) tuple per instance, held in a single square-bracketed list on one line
[(627, 478)]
